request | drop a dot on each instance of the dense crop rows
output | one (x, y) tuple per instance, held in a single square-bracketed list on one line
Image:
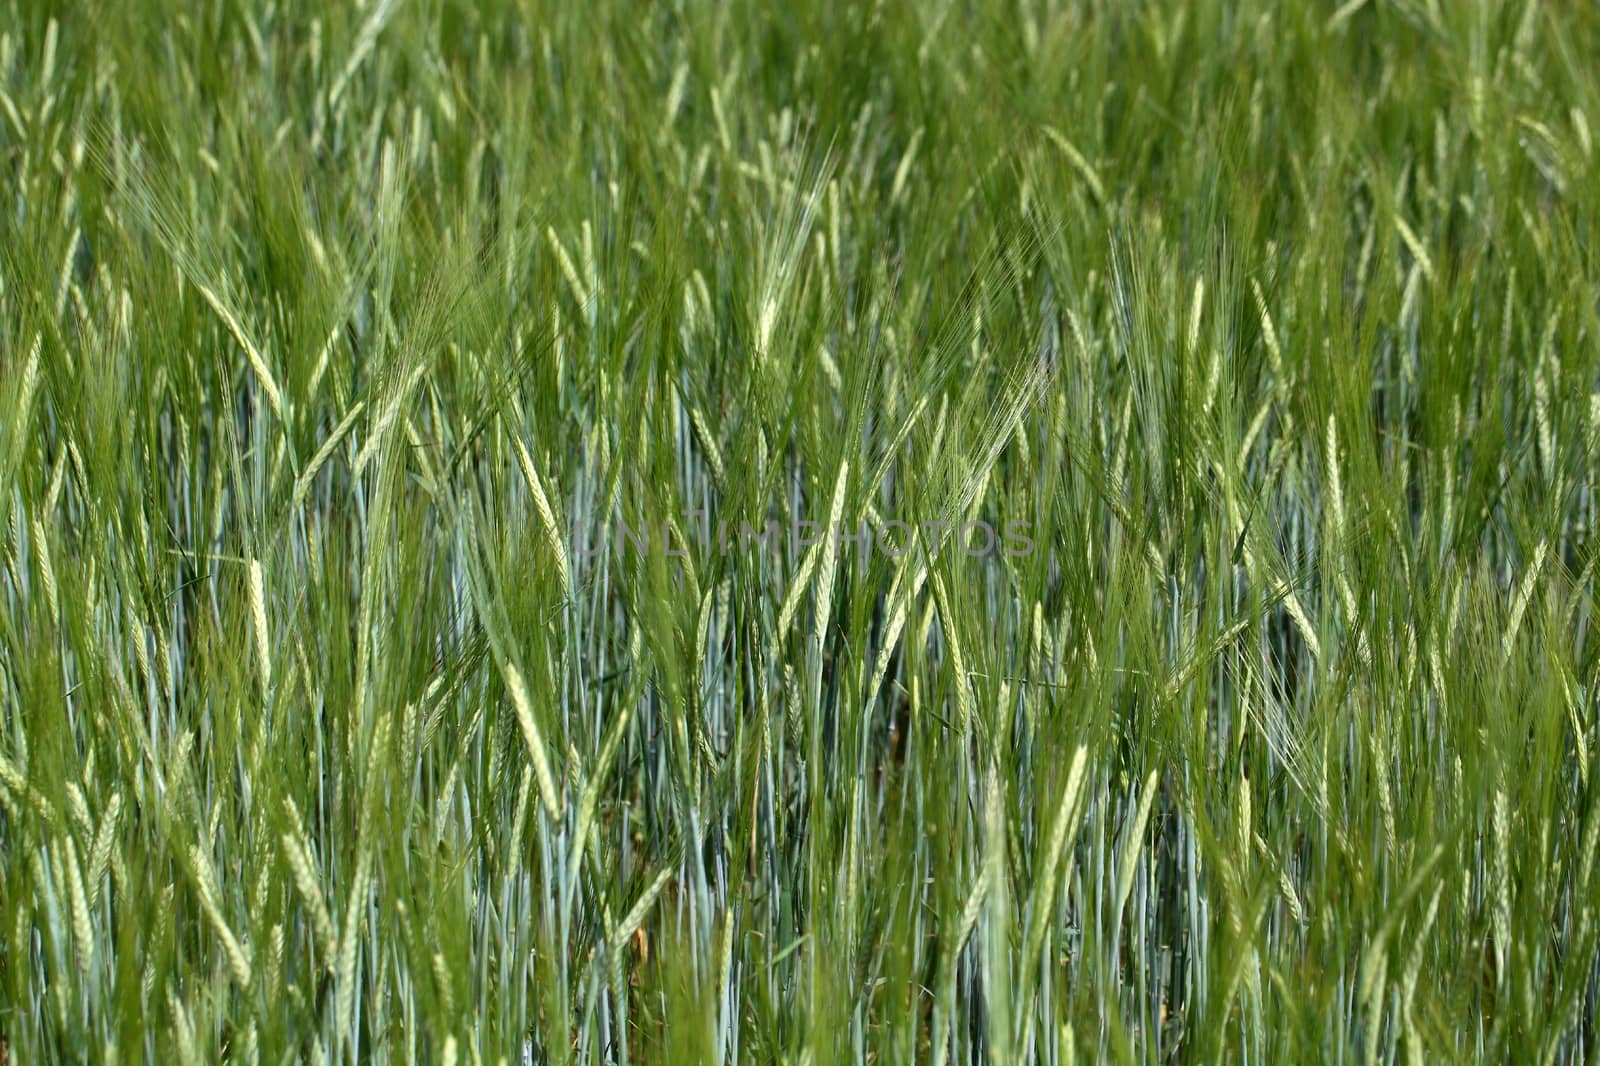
[(412, 643)]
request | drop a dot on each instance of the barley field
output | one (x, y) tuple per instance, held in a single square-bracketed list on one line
[(861, 531)]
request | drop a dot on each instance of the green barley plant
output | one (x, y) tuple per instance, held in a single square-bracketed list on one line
[(1036, 531)]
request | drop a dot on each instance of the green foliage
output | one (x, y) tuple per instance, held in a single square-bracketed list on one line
[(330, 341)]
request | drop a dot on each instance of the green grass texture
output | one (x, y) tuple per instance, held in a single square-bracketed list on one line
[(495, 519)]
